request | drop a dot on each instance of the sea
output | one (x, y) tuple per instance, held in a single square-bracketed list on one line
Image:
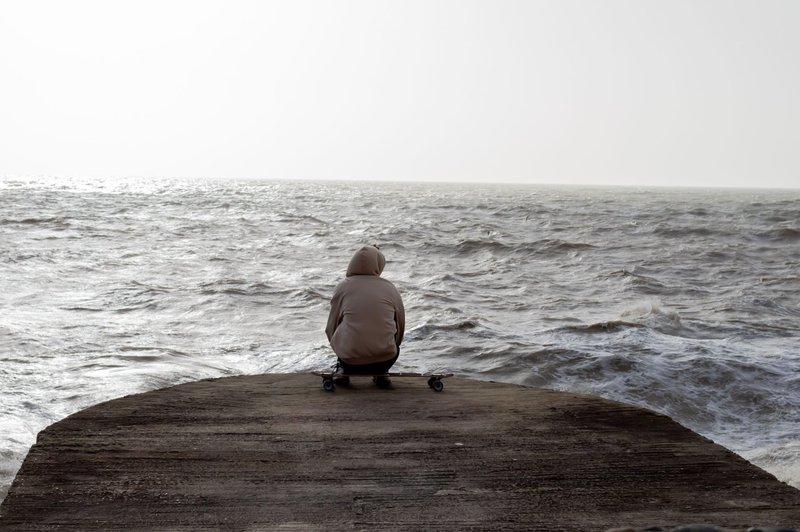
[(683, 301)]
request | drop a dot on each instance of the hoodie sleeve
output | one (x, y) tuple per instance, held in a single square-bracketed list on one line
[(335, 314), (399, 319)]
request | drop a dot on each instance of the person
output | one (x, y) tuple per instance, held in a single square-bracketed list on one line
[(367, 319)]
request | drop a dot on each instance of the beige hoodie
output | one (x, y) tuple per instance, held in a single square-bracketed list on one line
[(367, 318)]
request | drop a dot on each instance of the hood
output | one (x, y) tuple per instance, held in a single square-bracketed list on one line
[(366, 261)]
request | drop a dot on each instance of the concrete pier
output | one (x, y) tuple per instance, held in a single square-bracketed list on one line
[(273, 452)]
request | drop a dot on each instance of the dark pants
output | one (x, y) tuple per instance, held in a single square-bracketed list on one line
[(375, 368)]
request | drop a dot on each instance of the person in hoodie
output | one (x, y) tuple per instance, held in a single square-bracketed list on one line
[(367, 318)]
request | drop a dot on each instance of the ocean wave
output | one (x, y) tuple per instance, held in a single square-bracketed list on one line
[(669, 383), (429, 329), (286, 217), (601, 327), (561, 244), (671, 231), (286, 296), (639, 283), (545, 245), (791, 280), (231, 291), (302, 297), (232, 287), (475, 246), (46, 221), (651, 316), (657, 318), (781, 234), (781, 459), (133, 296), (717, 256)]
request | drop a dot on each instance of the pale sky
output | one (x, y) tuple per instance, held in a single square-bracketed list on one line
[(645, 92)]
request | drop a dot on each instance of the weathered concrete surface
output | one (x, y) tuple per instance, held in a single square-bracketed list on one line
[(276, 452)]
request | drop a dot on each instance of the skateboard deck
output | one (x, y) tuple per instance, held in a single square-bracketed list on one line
[(434, 379)]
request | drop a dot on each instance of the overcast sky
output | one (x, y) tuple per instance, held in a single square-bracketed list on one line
[(672, 92)]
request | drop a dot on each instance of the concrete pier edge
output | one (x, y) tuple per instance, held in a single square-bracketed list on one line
[(265, 452)]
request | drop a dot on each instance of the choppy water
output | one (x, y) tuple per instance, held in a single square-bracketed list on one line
[(684, 301)]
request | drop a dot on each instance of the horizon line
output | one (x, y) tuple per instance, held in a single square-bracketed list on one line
[(432, 181)]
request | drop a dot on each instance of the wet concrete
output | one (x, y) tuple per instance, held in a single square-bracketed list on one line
[(272, 452)]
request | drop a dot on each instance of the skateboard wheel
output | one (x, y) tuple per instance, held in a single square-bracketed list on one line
[(437, 385), (431, 381), (327, 385)]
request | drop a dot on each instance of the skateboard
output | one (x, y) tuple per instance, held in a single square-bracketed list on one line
[(434, 379)]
